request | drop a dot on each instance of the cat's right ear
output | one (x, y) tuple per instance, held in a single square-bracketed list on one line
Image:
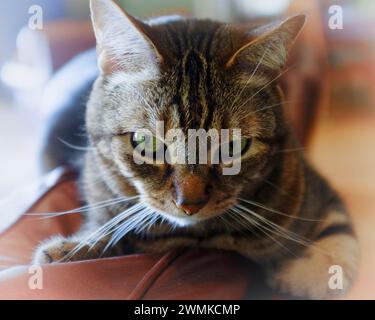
[(268, 45), (121, 40)]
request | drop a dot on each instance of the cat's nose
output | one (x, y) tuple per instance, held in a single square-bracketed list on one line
[(192, 194), (191, 208)]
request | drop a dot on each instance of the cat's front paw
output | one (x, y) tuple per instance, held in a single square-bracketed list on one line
[(326, 270), (60, 249)]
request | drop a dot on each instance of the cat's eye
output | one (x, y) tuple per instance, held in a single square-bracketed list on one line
[(237, 148), (146, 145), (245, 144)]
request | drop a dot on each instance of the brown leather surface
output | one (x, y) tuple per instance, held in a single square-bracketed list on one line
[(180, 274)]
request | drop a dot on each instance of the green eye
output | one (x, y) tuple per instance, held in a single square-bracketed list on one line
[(245, 144), (145, 144)]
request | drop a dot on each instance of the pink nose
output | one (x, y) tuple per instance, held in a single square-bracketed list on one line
[(191, 208), (191, 194)]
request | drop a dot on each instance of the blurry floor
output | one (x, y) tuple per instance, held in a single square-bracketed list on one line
[(344, 151)]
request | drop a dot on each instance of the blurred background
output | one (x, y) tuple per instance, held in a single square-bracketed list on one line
[(332, 87)]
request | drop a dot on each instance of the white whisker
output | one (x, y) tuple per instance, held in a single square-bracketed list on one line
[(248, 80), (259, 205), (281, 231), (72, 146), (267, 84), (137, 224), (98, 205), (290, 235), (101, 232), (262, 229)]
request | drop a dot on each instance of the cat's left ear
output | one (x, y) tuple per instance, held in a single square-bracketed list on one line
[(268, 45), (122, 40)]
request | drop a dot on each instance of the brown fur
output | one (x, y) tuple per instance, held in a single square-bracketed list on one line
[(211, 75)]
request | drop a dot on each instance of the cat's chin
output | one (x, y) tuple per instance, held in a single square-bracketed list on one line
[(181, 221)]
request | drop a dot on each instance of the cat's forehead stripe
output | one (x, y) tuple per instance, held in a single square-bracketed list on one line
[(194, 79), (192, 87)]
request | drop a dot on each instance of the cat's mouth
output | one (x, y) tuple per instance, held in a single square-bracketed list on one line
[(181, 220), (178, 217)]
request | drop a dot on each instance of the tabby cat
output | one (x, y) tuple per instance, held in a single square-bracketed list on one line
[(201, 74)]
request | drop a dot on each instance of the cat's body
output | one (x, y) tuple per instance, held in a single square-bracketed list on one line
[(195, 74)]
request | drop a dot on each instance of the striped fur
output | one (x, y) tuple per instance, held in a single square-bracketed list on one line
[(211, 75)]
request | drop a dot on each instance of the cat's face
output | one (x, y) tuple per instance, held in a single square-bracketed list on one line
[(186, 75)]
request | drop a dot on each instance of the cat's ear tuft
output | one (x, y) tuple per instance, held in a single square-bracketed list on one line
[(268, 45), (122, 40)]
